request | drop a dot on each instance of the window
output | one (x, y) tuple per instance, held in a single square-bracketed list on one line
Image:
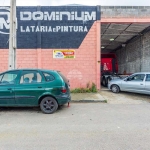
[(137, 77), (64, 78), (148, 77), (30, 77), (1, 77), (48, 77), (9, 77)]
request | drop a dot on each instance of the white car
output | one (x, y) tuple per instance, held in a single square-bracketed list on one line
[(137, 83)]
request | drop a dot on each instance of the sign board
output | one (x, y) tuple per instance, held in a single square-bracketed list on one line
[(64, 54), (48, 26)]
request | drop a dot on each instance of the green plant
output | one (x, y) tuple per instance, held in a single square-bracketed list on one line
[(89, 89), (93, 88), (88, 85), (76, 90)]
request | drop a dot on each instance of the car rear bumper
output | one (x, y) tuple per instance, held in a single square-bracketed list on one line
[(63, 99)]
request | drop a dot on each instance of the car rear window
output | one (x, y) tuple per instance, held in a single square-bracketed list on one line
[(64, 78), (1, 77), (48, 76)]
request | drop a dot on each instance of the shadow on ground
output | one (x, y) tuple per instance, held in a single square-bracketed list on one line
[(29, 109)]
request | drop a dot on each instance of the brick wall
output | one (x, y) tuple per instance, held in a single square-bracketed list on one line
[(135, 57), (3, 59), (80, 71), (27, 58)]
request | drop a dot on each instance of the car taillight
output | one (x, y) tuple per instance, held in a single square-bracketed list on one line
[(63, 90)]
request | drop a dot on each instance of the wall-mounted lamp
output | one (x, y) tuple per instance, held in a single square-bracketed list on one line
[(123, 45), (111, 39)]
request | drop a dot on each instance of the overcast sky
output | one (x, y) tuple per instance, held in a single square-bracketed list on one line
[(82, 2)]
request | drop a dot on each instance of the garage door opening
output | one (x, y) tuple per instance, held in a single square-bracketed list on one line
[(125, 49)]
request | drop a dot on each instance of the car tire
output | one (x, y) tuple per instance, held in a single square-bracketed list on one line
[(108, 80), (104, 82), (115, 89), (48, 105)]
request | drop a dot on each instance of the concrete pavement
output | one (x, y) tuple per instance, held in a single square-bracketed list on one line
[(124, 97), (82, 126), (87, 97), (106, 96)]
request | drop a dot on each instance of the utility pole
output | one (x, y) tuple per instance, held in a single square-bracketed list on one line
[(12, 36)]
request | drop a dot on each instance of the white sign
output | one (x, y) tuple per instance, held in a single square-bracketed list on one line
[(5, 20), (38, 15), (4, 23), (46, 16), (55, 29), (64, 54)]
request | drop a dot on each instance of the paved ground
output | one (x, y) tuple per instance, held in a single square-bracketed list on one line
[(87, 97), (111, 98), (124, 97), (82, 126), (120, 124)]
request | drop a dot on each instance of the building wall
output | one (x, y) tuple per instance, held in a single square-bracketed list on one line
[(135, 57), (125, 11), (3, 59), (43, 29), (81, 70)]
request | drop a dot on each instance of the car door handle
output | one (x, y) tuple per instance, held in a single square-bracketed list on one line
[(9, 88), (141, 84), (39, 87)]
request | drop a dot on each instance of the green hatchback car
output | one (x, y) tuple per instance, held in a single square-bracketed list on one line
[(34, 87)]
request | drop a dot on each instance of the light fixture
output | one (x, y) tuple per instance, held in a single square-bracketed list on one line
[(123, 45), (111, 39), (102, 47)]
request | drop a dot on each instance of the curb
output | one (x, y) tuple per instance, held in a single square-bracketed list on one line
[(88, 101)]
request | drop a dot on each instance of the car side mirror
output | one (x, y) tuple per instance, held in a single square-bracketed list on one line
[(125, 80)]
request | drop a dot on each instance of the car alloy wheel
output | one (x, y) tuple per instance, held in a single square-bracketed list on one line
[(48, 105), (115, 89)]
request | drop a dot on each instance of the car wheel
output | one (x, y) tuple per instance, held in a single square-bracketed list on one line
[(115, 89), (104, 83), (48, 105), (108, 80)]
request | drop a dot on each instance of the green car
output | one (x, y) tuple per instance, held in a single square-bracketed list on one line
[(34, 87)]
